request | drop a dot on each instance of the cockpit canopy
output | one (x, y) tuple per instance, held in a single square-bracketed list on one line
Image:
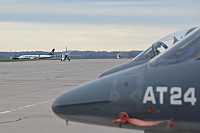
[(162, 44), (186, 49), (158, 47)]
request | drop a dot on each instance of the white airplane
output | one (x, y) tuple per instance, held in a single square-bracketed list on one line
[(50, 55), (65, 55)]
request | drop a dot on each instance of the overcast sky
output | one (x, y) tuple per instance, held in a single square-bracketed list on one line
[(28, 25)]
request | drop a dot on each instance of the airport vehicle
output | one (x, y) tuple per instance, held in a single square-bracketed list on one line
[(158, 96), (118, 56), (156, 48), (50, 55), (65, 55)]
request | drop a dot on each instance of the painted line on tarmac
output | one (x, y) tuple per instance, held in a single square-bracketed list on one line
[(24, 107)]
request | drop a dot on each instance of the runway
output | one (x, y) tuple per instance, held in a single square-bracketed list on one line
[(28, 88)]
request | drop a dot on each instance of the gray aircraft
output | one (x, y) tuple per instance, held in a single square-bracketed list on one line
[(158, 96)]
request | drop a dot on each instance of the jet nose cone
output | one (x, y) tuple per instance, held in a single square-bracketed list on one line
[(55, 108), (58, 108), (80, 100)]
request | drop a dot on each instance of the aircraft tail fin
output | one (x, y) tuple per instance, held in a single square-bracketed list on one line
[(52, 52), (66, 50)]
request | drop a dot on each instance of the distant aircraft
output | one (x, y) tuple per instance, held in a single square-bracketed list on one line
[(50, 55), (65, 55), (119, 56), (160, 95)]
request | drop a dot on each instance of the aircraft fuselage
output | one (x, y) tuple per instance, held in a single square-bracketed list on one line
[(138, 92)]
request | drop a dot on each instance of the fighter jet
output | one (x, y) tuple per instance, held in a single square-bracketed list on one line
[(156, 48), (65, 55), (157, 96)]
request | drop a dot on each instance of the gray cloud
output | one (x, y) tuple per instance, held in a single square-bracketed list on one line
[(143, 12)]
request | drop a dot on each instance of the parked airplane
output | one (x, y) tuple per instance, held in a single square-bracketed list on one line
[(65, 55), (156, 48), (158, 96), (50, 55)]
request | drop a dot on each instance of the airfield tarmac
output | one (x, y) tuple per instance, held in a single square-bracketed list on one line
[(27, 90)]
